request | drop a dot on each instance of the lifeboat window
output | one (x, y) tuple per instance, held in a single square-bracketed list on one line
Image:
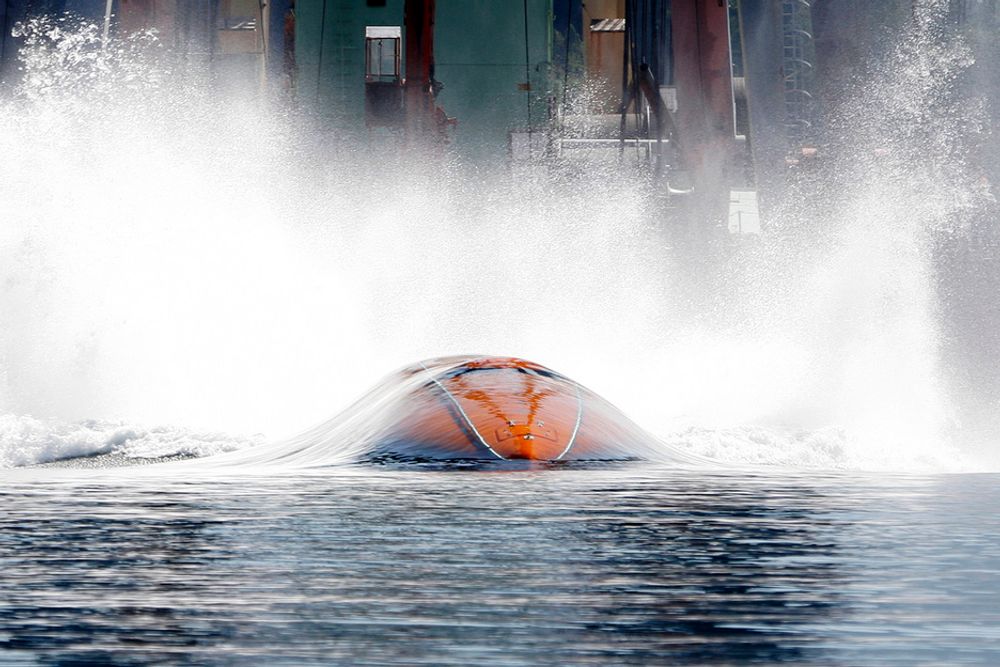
[(543, 372)]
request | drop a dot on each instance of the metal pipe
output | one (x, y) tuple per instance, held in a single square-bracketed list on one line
[(3, 37), (107, 23), (651, 91), (527, 71), (319, 65), (626, 83)]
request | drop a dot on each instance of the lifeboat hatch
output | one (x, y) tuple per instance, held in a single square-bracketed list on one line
[(525, 432)]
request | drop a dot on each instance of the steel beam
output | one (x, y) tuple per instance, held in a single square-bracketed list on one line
[(419, 95), (702, 73), (760, 28)]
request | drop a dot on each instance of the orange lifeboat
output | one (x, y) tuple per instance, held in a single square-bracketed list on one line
[(503, 408), (477, 409)]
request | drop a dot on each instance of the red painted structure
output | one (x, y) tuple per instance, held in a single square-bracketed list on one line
[(705, 114), (425, 121)]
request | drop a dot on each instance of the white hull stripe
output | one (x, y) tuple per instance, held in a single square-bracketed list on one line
[(576, 427), (465, 416)]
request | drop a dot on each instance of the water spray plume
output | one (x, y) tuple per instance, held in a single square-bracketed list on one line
[(171, 257)]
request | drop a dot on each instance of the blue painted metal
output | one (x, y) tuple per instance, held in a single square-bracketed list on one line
[(276, 37), (5, 26)]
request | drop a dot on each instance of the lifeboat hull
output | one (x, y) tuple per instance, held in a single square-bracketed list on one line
[(479, 409), (503, 409)]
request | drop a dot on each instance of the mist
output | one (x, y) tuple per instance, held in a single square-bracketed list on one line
[(172, 262)]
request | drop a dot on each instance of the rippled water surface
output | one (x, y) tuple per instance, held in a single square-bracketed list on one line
[(629, 565)]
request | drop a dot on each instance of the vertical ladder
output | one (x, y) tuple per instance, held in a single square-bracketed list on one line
[(798, 55)]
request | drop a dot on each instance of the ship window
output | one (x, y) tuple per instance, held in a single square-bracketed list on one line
[(382, 51), (238, 14)]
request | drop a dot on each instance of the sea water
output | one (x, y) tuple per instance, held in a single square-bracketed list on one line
[(628, 565), (182, 276)]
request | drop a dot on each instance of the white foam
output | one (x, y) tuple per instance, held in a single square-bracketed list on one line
[(822, 449), (25, 441)]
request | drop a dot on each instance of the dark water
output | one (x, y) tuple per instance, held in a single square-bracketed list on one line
[(632, 565)]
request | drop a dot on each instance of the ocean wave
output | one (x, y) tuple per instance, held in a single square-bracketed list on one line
[(26, 441), (830, 448)]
